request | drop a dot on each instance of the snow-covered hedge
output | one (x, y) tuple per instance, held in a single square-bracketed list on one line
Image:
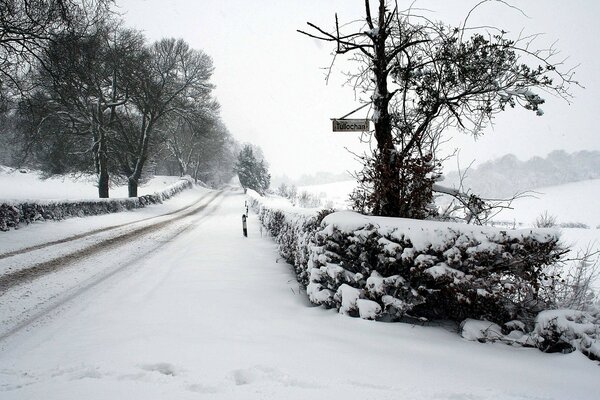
[(13, 213), (492, 280), (391, 267), (431, 269)]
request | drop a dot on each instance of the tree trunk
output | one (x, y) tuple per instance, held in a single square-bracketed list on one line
[(103, 168), (387, 174), (100, 156), (196, 169), (132, 186), (133, 180)]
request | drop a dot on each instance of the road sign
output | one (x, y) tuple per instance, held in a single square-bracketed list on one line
[(350, 125)]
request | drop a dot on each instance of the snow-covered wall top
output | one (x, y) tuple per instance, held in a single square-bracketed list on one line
[(15, 212), (424, 234)]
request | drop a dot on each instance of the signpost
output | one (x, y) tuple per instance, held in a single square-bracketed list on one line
[(350, 125)]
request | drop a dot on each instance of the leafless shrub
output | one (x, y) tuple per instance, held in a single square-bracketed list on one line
[(545, 220), (576, 288), (308, 200)]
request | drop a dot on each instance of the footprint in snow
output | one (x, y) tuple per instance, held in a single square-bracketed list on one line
[(261, 373), (162, 368)]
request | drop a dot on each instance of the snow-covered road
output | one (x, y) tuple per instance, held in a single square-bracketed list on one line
[(195, 310)]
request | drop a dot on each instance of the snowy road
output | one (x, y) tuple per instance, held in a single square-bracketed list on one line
[(194, 310)]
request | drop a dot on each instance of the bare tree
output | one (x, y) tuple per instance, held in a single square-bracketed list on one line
[(175, 80), (424, 77), (27, 26), (85, 81), (186, 134)]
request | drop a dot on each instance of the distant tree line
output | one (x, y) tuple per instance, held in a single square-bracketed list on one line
[(508, 175), (81, 93)]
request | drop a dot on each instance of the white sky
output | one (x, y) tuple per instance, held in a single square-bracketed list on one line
[(272, 89)]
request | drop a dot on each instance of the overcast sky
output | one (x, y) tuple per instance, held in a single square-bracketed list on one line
[(272, 90)]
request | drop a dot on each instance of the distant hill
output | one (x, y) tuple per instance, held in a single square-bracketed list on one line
[(318, 178), (508, 175)]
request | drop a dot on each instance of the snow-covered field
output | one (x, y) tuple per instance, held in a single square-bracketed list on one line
[(211, 314), (570, 203), (575, 202), (192, 308), (17, 185), (335, 193)]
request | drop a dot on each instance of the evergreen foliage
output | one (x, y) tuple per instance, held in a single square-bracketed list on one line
[(464, 274), (252, 171)]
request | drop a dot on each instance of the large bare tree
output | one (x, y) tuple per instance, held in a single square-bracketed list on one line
[(27, 26), (424, 77), (175, 81), (84, 81), (186, 134)]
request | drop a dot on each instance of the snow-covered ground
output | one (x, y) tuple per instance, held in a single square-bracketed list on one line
[(208, 313), (17, 185), (575, 202), (335, 193), (572, 202)]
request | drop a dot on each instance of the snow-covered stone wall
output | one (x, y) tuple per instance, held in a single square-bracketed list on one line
[(13, 213)]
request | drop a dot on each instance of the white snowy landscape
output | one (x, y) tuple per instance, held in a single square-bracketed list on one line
[(196, 309), (300, 199)]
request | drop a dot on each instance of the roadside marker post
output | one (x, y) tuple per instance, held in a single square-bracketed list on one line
[(244, 227)]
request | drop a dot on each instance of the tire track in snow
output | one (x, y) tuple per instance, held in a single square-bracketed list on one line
[(11, 279), (58, 301), (94, 232)]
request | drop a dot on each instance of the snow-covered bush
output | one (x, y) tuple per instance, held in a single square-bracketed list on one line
[(432, 269), (566, 330), (291, 228), (24, 212), (308, 200), (493, 280), (9, 216), (481, 331), (423, 268)]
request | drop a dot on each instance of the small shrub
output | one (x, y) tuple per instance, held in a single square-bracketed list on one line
[(545, 220), (308, 200), (575, 288)]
